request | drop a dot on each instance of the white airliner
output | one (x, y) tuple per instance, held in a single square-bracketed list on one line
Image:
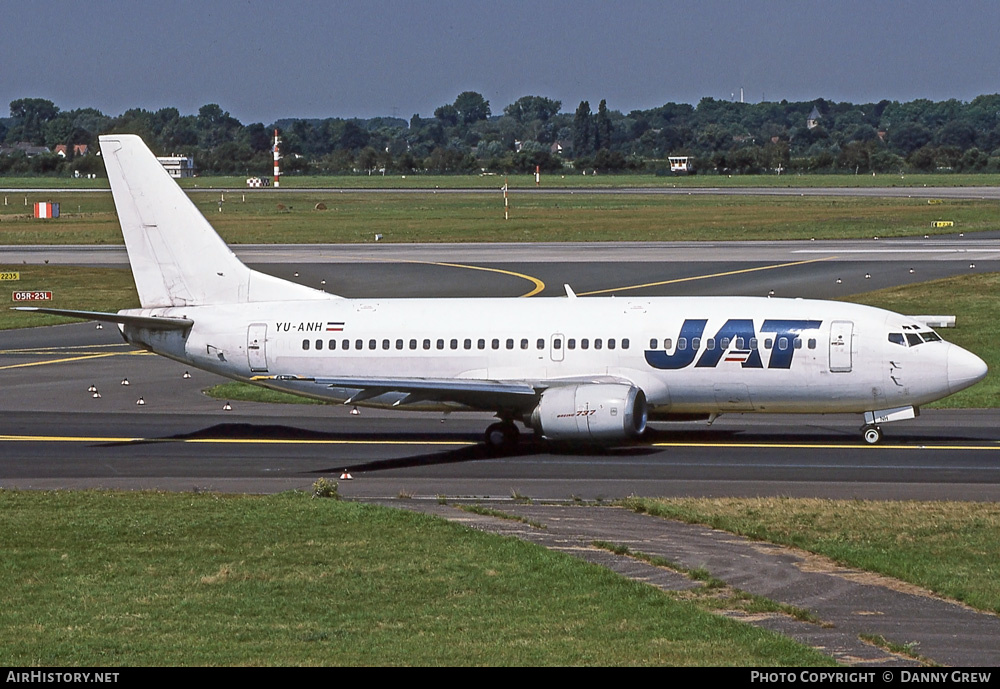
[(577, 369)]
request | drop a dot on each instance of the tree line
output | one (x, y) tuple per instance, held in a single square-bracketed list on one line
[(466, 136)]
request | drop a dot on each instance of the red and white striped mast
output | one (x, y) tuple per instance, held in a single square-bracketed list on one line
[(277, 157)]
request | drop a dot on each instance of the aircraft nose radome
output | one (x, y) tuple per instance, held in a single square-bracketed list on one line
[(964, 369)]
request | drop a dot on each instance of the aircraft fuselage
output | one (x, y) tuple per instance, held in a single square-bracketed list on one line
[(688, 355)]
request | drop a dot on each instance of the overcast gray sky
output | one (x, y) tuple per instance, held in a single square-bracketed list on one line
[(262, 61)]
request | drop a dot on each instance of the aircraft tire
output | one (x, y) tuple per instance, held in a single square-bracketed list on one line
[(872, 435), (502, 436)]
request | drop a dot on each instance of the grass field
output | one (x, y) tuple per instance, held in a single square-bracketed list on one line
[(143, 579), (561, 180), (72, 287), (150, 579), (343, 217)]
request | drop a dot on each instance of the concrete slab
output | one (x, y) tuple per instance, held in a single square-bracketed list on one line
[(848, 602)]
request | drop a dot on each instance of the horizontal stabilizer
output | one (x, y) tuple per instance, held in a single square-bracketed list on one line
[(151, 322)]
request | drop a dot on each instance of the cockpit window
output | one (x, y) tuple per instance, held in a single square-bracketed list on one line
[(897, 338), (913, 339), (930, 336)]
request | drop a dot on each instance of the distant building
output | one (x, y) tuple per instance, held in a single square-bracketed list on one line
[(25, 148), (178, 166), (813, 120), (681, 165), (78, 150), (560, 147)]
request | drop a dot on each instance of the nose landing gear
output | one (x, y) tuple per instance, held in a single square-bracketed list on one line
[(871, 432), (872, 435)]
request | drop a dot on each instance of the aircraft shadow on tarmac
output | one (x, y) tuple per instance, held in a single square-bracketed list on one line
[(528, 445), (475, 449)]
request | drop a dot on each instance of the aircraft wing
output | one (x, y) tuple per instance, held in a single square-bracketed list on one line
[(479, 394), (488, 395), (151, 322)]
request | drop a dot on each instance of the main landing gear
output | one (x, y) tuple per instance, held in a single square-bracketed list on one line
[(871, 434), (502, 436)]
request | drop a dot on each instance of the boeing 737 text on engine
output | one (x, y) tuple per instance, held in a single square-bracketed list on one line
[(577, 369)]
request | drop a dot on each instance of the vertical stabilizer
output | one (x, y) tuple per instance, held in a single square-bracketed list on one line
[(176, 256)]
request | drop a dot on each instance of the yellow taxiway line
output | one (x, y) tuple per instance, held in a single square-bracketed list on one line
[(461, 443), (829, 446), (82, 357), (706, 277), (219, 441)]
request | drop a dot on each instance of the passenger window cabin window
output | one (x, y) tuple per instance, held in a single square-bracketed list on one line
[(625, 343), (440, 344), (782, 343), (797, 343), (557, 343), (540, 344), (724, 343), (481, 343), (399, 343), (812, 343), (695, 343), (710, 343), (413, 344), (359, 344), (495, 343), (386, 344), (305, 345), (332, 344), (653, 342), (768, 343), (524, 343), (467, 343), (571, 343), (454, 344), (319, 344), (667, 342), (510, 343), (598, 343), (611, 343), (585, 343), (427, 344), (682, 343), (345, 344), (372, 344)]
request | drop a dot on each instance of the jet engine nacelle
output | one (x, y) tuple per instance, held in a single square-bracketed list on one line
[(605, 411)]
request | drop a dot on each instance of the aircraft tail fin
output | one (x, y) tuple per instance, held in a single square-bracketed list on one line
[(177, 258)]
